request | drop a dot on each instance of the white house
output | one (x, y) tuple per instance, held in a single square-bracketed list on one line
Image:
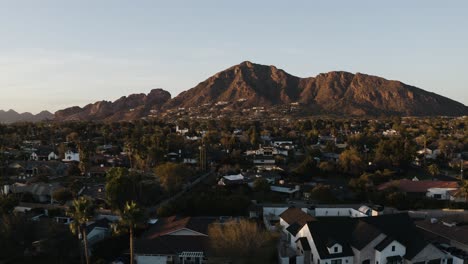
[(441, 193), (52, 156), (71, 156), (267, 151), (182, 131), (232, 179), (386, 239)]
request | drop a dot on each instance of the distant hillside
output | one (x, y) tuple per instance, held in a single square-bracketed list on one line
[(12, 116), (248, 84), (335, 92), (125, 108)]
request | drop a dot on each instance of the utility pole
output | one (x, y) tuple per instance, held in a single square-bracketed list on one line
[(203, 156), (461, 169), (424, 149)]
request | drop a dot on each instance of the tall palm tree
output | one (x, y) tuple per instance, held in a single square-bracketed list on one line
[(131, 216), (81, 211)]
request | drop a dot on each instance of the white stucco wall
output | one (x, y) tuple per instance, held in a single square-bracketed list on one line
[(347, 212), (274, 210), (185, 232), (443, 192), (382, 256), (331, 250), (430, 252), (368, 252), (151, 259)]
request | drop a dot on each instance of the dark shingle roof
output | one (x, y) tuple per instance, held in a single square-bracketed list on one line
[(304, 242), (358, 232), (382, 245), (294, 228)]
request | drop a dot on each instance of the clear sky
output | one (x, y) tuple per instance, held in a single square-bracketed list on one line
[(56, 54)]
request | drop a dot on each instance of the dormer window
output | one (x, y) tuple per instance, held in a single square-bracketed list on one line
[(393, 248), (335, 249)]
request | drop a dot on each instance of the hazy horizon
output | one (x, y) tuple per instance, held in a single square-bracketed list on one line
[(57, 54)]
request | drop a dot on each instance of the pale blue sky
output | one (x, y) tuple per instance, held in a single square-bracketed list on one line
[(55, 54)]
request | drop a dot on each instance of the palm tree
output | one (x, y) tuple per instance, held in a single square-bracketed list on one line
[(131, 217), (81, 211)]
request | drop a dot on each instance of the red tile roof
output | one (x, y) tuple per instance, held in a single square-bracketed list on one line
[(295, 215), (410, 186), (172, 224)]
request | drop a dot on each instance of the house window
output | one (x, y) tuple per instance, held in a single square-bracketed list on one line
[(335, 249), (336, 261), (450, 261), (393, 248)]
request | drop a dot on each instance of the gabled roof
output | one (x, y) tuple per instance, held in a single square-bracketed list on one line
[(359, 232), (295, 215), (382, 245), (102, 223), (159, 241), (172, 224)]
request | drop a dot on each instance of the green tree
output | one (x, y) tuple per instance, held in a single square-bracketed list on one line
[(172, 176), (350, 162), (433, 169), (463, 190), (121, 186), (62, 195), (7, 204), (261, 185), (82, 211), (322, 193)]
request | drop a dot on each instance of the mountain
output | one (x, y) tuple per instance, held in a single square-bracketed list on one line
[(248, 84), (12, 116), (336, 92), (125, 108)]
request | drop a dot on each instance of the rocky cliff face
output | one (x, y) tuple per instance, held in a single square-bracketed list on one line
[(125, 108), (248, 84), (335, 92)]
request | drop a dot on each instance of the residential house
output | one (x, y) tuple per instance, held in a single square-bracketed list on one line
[(175, 240), (267, 151), (232, 180), (381, 239), (71, 156), (440, 190), (41, 192), (291, 221), (98, 230), (449, 230)]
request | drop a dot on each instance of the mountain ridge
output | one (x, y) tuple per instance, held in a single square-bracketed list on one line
[(12, 116), (249, 84)]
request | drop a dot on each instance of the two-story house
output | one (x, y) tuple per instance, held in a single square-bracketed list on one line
[(385, 239)]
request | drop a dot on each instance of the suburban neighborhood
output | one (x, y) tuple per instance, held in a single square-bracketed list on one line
[(316, 191)]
